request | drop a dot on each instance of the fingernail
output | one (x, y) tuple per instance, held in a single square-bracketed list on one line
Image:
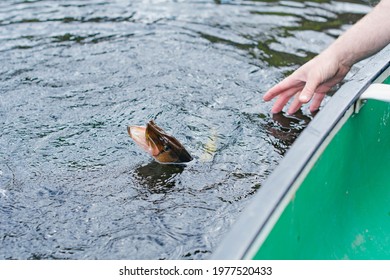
[(304, 98)]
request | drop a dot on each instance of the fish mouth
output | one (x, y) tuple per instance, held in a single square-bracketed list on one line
[(161, 146), (140, 136)]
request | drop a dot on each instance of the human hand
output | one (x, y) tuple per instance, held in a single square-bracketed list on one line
[(309, 82)]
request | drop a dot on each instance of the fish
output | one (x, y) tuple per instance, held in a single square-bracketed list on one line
[(163, 147), (210, 147)]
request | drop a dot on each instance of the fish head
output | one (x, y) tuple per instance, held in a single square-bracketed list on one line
[(161, 146)]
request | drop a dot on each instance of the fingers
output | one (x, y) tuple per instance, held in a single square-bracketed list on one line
[(280, 103), (316, 101), (289, 87), (286, 86), (283, 99), (308, 91), (295, 105)]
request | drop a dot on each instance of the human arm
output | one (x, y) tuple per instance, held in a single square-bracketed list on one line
[(314, 79)]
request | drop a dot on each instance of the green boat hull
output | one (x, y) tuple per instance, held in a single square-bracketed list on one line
[(342, 208)]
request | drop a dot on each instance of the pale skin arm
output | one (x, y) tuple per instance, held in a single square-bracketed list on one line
[(314, 79)]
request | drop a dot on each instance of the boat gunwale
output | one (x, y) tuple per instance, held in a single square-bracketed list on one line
[(268, 201)]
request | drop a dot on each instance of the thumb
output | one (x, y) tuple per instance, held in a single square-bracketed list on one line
[(308, 91)]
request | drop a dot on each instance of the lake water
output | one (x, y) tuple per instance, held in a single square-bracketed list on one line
[(74, 74)]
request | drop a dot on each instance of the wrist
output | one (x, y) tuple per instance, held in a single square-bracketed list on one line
[(341, 55)]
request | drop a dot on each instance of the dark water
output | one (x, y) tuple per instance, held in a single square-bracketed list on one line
[(74, 74)]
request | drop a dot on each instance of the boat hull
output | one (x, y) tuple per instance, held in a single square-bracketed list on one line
[(342, 208)]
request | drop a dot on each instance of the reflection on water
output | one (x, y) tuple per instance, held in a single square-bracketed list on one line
[(158, 178), (74, 74)]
